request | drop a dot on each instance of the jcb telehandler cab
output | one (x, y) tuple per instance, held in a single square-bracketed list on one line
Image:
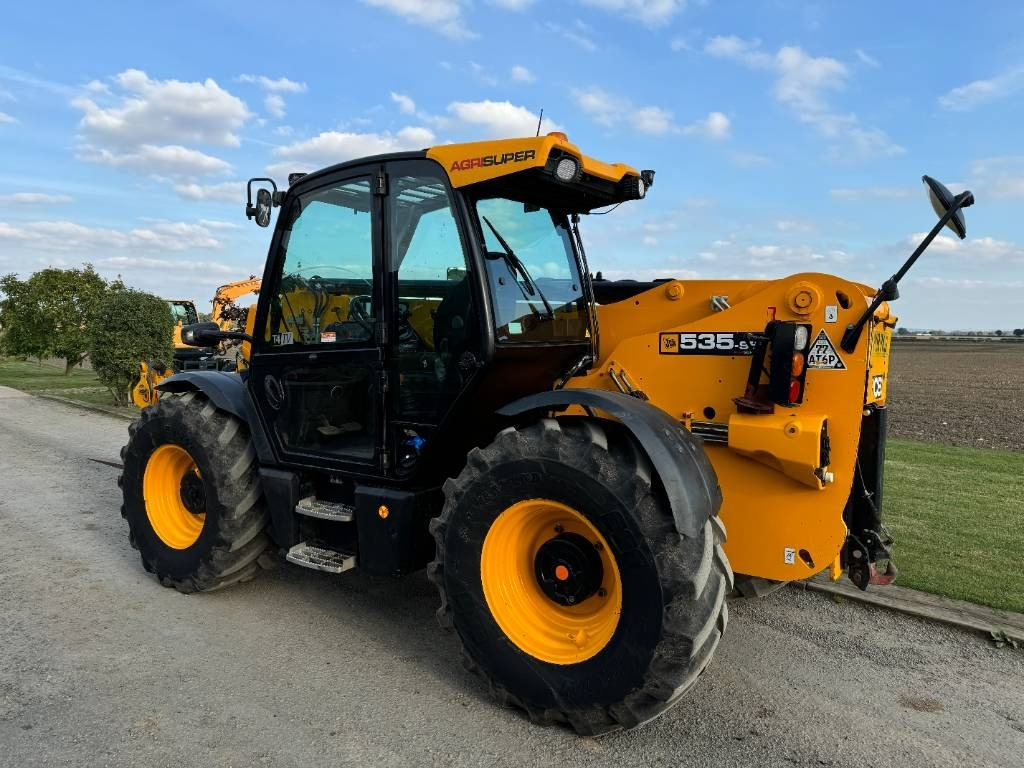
[(435, 379)]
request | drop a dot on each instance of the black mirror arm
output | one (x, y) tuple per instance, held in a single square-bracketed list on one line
[(889, 290), (237, 335), (207, 334)]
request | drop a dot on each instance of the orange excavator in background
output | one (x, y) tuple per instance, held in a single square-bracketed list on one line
[(231, 317), (229, 356)]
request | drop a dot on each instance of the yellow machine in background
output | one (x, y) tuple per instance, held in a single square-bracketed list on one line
[(228, 317)]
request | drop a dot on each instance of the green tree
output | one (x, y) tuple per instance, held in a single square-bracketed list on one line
[(23, 332), (1018, 331), (129, 326), (47, 315), (902, 332)]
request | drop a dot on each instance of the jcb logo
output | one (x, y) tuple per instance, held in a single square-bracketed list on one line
[(721, 343)]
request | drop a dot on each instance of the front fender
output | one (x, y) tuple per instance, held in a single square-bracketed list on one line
[(677, 456), (226, 391)]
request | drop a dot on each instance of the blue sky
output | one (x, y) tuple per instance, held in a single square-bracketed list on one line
[(786, 136)]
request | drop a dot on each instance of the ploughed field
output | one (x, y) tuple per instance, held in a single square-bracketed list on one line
[(965, 393)]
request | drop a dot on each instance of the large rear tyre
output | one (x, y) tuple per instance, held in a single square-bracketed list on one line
[(560, 569), (192, 495)]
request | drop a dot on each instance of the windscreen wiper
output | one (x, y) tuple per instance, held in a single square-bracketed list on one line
[(515, 265)]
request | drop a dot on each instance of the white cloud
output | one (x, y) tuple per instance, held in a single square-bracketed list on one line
[(803, 84), (215, 224), (281, 85), (156, 237), (580, 34), (33, 198), (867, 59), (653, 13), (157, 111), (498, 119), (975, 251), (274, 105), (153, 160), (873, 193), (998, 177), (445, 16), (653, 121), (714, 126), (163, 265), (521, 74), (601, 105), (480, 73), (225, 192), (405, 105), (749, 160), (274, 102), (333, 147), (614, 111), (513, 5), (792, 225), (5, 118), (732, 47), (979, 92)]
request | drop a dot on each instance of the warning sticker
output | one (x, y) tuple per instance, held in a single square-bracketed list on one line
[(823, 355)]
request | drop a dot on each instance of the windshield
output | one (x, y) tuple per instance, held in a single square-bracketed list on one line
[(532, 277)]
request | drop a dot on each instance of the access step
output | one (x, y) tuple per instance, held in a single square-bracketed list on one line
[(320, 558), (311, 506)]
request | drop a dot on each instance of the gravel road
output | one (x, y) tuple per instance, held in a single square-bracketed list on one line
[(99, 665)]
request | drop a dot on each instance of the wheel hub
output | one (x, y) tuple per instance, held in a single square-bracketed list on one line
[(568, 569), (193, 493)]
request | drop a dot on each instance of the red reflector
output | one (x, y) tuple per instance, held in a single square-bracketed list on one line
[(797, 366), (794, 391)]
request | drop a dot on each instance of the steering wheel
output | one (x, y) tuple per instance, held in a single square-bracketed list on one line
[(360, 310)]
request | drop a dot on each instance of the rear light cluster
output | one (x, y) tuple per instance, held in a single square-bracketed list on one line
[(788, 342)]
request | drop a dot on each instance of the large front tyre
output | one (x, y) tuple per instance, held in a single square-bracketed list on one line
[(192, 495), (560, 569)]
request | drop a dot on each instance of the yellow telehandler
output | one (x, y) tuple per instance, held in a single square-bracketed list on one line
[(227, 315), (436, 379)]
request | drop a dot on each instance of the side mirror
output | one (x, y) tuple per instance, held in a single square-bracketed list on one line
[(263, 205), (943, 201), (201, 334), (264, 202)]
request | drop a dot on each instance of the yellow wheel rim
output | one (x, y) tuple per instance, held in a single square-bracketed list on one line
[(171, 470), (523, 536)]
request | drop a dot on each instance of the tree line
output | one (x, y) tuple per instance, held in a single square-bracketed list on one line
[(74, 315)]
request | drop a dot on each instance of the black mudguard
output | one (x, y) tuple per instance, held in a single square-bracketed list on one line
[(226, 390), (678, 456)]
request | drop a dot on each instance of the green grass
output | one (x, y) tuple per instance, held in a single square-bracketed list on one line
[(44, 378), (957, 515)]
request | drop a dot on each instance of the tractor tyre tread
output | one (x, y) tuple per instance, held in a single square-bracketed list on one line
[(239, 547), (694, 575)]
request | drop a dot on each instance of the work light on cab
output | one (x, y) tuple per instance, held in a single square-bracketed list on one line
[(567, 170)]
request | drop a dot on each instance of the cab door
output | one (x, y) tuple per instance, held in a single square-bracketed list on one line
[(320, 375)]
